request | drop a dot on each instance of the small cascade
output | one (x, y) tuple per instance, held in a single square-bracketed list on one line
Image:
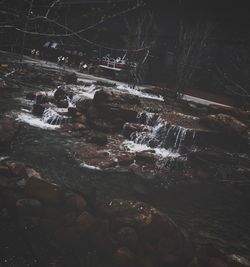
[(158, 133), (52, 117)]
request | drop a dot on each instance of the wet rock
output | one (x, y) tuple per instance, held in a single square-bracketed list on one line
[(7, 133), (231, 111), (43, 190), (29, 207), (236, 261), (32, 173), (41, 99), (78, 127), (146, 171), (70, 78), (125, 160), (69, 218), (102, 239), (54, 213), (103, 97), (127, 236), (99, 139), (80, 118), (83, 105), (60, 94), (145, 158), (63, 103), (103, 126), (31, 96), (5, 171), (225, 123), (38, 110), (216, 262), (72, 111), (76, 203), (85, 222), (124, 258), (66, 235), (129, 128)]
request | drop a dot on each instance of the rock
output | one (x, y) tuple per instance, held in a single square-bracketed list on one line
[(31, 207), (70, 78), (116, 108), (60, 94), (7, 133), (127, 236), (79, 118), (5, 171), (231, 111), (236, 261), (54, 213), (225, 123), (129, 128), (41, 99), (151, 226), (32, 173), (145, 158), (31, 96), (69, 219), (125, 160), (102, 97), (124, 258), (149, 172), (216, 262), (38, 110), (102, 239), (83, 105), (76, 203), (63, 103), (43, 190), (98, 139), (78, 126), (66, 235), (85, 222), (72, 111)]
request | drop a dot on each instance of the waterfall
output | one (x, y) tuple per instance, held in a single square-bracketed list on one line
[(52, 117), (158, 133)]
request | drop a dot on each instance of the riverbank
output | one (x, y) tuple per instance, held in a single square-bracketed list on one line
[(86, 148)]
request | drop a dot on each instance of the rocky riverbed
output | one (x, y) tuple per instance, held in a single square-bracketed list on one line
[(102, 140)]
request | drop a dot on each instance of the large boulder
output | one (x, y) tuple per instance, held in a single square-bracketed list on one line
[(38, 109), (43, 190), (103, 97), (238, 113), (225, 123)]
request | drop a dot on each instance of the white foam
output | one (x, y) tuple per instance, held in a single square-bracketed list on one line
[(127, 89), (84, 92), (3, 158), (87, 166), (161, 152), (201, 101), (36, 122)]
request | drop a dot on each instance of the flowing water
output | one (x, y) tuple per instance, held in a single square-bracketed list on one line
[(211, 214)]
